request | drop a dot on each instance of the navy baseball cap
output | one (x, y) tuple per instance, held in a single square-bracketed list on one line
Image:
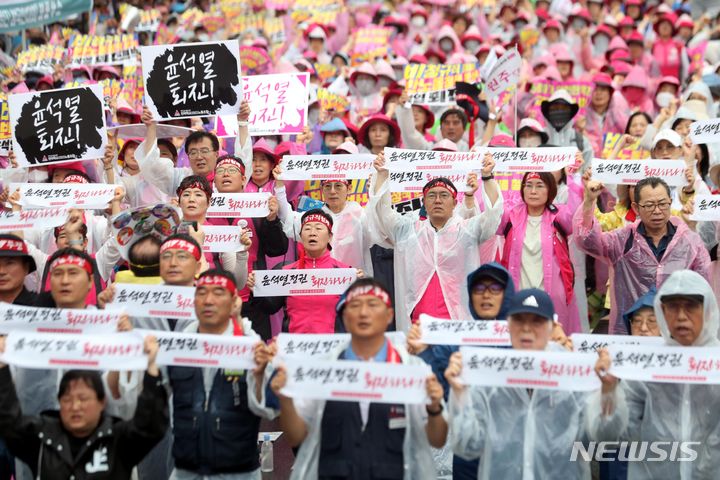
[(532, 300)]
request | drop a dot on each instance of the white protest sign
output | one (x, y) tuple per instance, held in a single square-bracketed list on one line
[(706, 208), (403, 160), (356, 381), (278, 103), (438, 331), (666, 364), (705, 131), (308, 345), (497, 367), (41, 219), (118, 351), (320, 281), (56, 320), (504, 74), (88, 196), (204, 350), (55, 126), (155, 300), (236, 205), (221, 238), (434, 98), (630, 172), (591, 343), (192, 80), (415, 181), (324, 167), (548, 159)]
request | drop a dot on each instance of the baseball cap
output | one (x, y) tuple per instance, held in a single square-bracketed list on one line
[(14, 246), (532, 300), (669, 135)]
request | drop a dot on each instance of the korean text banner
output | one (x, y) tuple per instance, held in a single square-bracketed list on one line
[(58, 126), (278, 103), (190, 80), (21, 14)]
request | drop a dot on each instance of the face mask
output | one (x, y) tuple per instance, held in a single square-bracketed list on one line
[(472, 45), (530, 142), (365, 87), (38, 175), (446, 45), (384, 82), (559, 118), (663, 99), (313, 116), (418, 21), (578, 24), (399, 72), (601, 43), (633, 96), (204, 37)]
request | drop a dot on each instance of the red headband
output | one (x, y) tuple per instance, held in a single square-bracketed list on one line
[(439, 183), (369, 290), (197, 185), (231, 161), (217, 281), (75, 179), (533, 175), (10, 245), (180, 244), (316, 217), (72, 260)]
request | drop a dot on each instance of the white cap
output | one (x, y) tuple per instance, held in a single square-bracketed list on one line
[(317, 32), (347, 147), (669, 135)]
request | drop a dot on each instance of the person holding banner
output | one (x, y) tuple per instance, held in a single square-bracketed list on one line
[(644, 253), (536, 250), (518, 432), (359, 440), (81, 440), (687, 315), (432, 255)]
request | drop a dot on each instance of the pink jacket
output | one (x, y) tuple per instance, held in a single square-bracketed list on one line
[(567, 312), (634, 271), (313, 314), (669, 55), (615, 119)]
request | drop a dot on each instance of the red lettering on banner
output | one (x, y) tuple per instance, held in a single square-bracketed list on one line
[(384, 381), (226, 350), (707, 365), (548, 369), (184, 303), (91, 350)]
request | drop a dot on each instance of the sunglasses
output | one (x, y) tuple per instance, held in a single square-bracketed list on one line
[(495, 288)]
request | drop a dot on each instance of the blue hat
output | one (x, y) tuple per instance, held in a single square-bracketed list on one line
[(532, 300), (334, 125)]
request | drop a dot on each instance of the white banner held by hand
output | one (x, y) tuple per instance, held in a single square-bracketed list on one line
[(88, 196), (591, 343), (532, 159), (706, 131), (403, 160), (410, 181), (356, 381), (119, 351), (308, 345), (203, 350), (438, 331), (278, 103), (155, 300), (630, 172), (239, 205), (496, 367), (327, 167), (56, 320), (41, 219), (504, 74), (706, 208), (666, 364), (221, 238), (321, 281)]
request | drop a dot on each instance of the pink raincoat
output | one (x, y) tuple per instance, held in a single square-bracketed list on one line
[(635, 271), (614, 121)]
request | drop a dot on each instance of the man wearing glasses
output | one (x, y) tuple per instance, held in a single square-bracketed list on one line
[(642, 254)]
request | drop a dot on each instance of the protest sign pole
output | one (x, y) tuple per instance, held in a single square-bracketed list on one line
[(515, 123)]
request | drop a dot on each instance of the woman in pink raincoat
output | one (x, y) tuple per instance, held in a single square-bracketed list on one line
[(536, 249), (606, 112)]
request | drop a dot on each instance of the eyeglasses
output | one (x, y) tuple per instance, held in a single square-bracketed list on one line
[(194, 153), (229, 170), (432, 196), (494, 288), (687, 305), (180, 256), (535, 186), (650, 207), (648, 322)]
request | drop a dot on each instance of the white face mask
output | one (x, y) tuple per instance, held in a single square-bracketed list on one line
[(204, 37), (529, 142), (418, 21), (472, 45), (313, 116), (384, 82), (446, 45), (601, 43), (663, 99), (365, 86), (578, 24)]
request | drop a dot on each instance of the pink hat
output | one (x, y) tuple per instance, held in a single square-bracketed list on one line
[(669, 79), (383, 68), (502, 140), (365, 68), (262, 146), (580, 13), (418, 10), (684, 21), (552, 23), (620, 68), (124, 107), (603, 80), (130, 141), (283, 148), (562, 54), (472, 33), (347, 147), (605, 30), (445, 145), (378, 118), (398, 62), (636, 37), (431, 52), (620, 54), (260, 42), (106, 69), (315, 30), (669, 17), (535, 126), (397, 20), (626, 22), (616, 43), (47, 80), (77, 166), (418, 58)]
